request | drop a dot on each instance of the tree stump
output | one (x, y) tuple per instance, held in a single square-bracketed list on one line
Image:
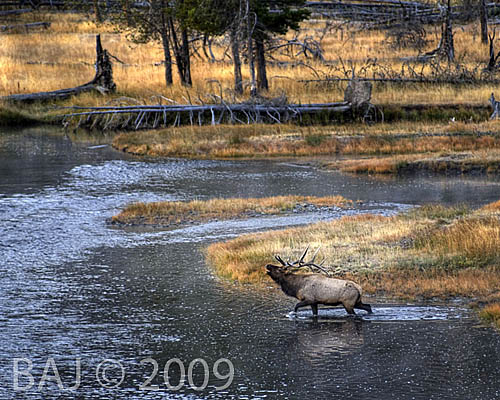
[(103, 68), (102, 82), (358, 93)]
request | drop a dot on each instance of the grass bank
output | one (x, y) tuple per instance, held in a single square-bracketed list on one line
[(11, 117), (482, 161), (230, 141), (428, 252), (491, 314), (179, 212)]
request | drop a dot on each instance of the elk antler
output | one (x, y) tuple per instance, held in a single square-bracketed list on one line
[(300, 263)]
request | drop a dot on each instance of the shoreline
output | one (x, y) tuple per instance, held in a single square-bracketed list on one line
[(375, 150)]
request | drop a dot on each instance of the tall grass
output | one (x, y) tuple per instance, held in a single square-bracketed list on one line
[(471, 242), (479, 161), (63, 56)]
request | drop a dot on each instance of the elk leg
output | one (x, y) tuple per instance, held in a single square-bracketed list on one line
[(362, 306), (314, 309), (303, 303), (349, 309)]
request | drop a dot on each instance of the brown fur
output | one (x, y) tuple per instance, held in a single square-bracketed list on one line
[(315, 289)]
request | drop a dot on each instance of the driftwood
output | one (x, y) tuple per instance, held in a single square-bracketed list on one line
[(102, 82)]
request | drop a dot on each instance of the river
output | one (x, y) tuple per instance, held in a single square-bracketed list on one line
[(89, 310)]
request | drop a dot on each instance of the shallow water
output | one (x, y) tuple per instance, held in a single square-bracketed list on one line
[(73, 288)]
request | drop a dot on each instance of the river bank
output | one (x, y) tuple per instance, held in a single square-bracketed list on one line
[(380, 149)]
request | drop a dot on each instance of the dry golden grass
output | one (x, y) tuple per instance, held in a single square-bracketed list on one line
[(430, 252), (63, 56), (174, 212), (492, 207), (491, 314), (479, 161), (473, 241), (257, 140)]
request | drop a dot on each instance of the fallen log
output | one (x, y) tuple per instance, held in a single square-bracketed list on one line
[(27, 27), (102, 82), (154, 116)]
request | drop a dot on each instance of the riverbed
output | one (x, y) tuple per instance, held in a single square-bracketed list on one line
[(88, 302)]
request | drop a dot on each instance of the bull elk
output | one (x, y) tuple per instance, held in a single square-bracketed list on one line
[(314, 289)]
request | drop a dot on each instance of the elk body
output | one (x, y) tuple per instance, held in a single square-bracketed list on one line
[(314, 289)]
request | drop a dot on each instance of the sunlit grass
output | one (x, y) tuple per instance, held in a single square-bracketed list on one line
[(433, 251), (63, 56), (259, 140), (491, 314), (487, 161)]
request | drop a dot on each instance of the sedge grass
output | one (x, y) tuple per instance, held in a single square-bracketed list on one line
[(487, 161)]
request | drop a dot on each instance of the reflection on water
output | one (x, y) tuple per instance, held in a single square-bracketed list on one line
[(73, 287), (319, 341)]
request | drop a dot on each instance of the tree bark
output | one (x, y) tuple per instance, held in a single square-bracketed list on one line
[(447, 44), (262, 82), (235, 49), (484, 21), (167, 56), (181, 53), (97, 11), (186, 58), (103, 68), (251, 62)]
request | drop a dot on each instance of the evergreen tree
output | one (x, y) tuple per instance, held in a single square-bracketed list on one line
[(273, 18)]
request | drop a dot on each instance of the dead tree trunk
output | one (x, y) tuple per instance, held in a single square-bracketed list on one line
[(103, 68), (102, 82), (261, 65), (484, 21), (492, 63), (448, 46), (235, 50), (166, 53), (251, 62)]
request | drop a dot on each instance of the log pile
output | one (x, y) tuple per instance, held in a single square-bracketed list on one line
[(387, 13)]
